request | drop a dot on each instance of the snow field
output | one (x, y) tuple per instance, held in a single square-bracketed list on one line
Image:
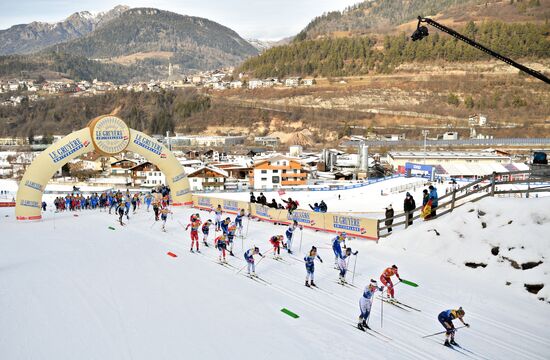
[(84, 291)]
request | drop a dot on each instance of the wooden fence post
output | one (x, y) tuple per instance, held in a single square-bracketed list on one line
[(453, 200)]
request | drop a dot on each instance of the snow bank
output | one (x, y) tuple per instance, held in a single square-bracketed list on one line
[(505, 238)]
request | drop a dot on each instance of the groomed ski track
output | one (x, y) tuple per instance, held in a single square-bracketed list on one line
[(503, 324)]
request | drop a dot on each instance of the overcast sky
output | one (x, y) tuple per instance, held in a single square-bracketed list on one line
[(261, 19)]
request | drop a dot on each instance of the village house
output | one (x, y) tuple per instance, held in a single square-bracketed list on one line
[(147, 175), (207, 178), (292, 82), (122, 167), (277, 171)]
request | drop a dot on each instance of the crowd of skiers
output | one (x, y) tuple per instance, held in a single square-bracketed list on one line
[(229, 229)]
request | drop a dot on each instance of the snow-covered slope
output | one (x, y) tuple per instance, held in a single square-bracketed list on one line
[(505, 239), (71, 288)]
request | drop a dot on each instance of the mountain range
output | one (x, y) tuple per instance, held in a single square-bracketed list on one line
[(33, 37), (144, 41)]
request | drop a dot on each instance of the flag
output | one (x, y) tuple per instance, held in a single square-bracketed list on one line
[(427, 210), (281, 192)]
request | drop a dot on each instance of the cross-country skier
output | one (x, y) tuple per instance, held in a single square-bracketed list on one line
[(386, 279), (194, 233), (120, 211), (310, 265), (290, 234), (365, 303), (127, 205), (205, 231), (231, 229), (239, 222), (337, 248), (156, 209), (194, 217), (224, 225), (218, 217), (446, 319), (249, 257), (276, 243), (148, 200), (164, 216), (343, 264), (221, 245)]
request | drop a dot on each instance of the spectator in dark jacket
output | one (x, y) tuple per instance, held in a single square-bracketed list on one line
[(273, 204), (262, 199), (252, 197), (389, 218), (323, 206), (409, 205), (425, 197)]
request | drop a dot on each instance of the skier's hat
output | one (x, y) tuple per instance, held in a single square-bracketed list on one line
[(461, 311), (394, 267)]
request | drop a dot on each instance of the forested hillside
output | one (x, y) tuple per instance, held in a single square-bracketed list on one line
[(151, 112), (52, 64), (362, 55), (382, 16)]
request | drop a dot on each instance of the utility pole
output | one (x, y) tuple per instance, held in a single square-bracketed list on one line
[(425, 133)]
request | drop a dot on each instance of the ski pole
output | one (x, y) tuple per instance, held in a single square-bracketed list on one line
[(442, 332), (354, 265), (301, 236), (154, 222), (382, 310)]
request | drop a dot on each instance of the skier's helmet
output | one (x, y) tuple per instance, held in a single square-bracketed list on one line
[(343, 235), (461, 312)]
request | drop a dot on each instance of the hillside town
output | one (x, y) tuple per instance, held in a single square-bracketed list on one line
[(29, 90)]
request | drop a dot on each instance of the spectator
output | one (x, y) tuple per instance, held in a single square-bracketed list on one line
[(273, 204), (434, 198), (252, 197), (262, 199), (389, 218), (291, 205), (315, 207), (409, 205), (425, 197), (323, 206)]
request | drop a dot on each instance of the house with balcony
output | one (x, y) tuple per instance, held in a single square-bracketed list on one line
[(276, 172), (207, 178), (147, 175)]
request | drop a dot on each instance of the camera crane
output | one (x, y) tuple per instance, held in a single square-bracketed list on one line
[(422, 31)]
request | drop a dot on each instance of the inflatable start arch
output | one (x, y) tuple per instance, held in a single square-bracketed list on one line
[(107, 135)]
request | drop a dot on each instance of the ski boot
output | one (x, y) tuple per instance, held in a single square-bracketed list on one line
[(191, 250), (360, 326), (453, 342), (198, 251), (313, 284), (446, 343), (307, 284), (231, 253)]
